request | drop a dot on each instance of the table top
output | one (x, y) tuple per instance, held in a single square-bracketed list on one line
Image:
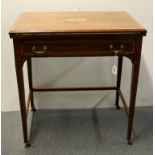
[(51, 22)]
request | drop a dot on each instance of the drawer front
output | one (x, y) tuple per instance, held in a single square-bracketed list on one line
[(77, 48)]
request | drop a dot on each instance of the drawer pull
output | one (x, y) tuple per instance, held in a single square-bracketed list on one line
[(111, 46), (33, 48), (44, 47), (116, 52), (39, 51), (122, 46)]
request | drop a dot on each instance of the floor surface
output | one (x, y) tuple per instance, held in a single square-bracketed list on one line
[(79, 132)]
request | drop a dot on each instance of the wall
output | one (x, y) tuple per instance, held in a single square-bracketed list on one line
[(80, 71)]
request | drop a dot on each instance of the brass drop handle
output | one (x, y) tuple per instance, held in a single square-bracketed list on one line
[(44, 49), (121, 46), (116, 52), (111, 46)]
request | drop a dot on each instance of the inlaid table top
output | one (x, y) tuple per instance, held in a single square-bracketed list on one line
[(51, 22)]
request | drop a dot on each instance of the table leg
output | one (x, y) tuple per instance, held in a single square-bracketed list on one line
[(133, 89), (134, 83), (29, 68), (119, 73), (20, 82)]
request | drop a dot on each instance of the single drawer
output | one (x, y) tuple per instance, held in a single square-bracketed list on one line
[(77, 47)]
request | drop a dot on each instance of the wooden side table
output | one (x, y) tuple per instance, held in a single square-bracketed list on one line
[(77, 34)]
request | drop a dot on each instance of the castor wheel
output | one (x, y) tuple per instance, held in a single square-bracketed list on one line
[(27, 145), (130, 142)]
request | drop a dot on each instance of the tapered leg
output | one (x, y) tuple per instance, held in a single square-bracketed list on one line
[(29, 68), (133, 89), (20, 82), (134, 83), (119, 73)]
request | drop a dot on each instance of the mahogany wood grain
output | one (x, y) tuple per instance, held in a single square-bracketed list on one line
[(77, 34), (28, 102), (133, 90), (102, 22), (119, 74), (75, 89), (123, 101), (29, 72)]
